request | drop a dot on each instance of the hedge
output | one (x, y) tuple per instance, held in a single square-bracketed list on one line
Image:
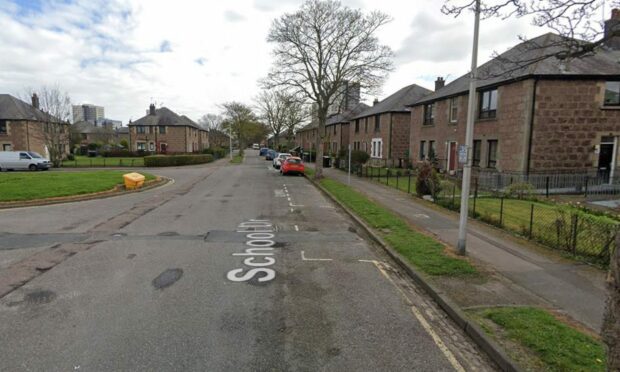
[(175, 160)]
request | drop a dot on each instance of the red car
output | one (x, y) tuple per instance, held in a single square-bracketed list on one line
[(292, 165)]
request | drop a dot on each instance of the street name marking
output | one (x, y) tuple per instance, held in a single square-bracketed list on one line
[(259, 235)]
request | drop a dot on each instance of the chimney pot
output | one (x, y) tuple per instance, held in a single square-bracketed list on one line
[(439, 83), (612, 30), (35, 100), (375, 101), (152, 109)]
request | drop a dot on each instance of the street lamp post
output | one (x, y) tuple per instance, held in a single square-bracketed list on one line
[(469, 137), (230, 140)]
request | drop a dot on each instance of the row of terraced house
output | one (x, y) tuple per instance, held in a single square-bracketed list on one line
[(545, 116)]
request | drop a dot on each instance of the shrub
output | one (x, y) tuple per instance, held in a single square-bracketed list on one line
[(520, 190), (71, 157), (124, 143), (427, 181), (359, 157), (176, 160)]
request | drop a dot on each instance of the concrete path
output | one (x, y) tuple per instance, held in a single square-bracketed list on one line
[(574, 288)]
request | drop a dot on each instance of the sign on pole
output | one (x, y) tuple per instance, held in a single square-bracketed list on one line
[(463, 154)]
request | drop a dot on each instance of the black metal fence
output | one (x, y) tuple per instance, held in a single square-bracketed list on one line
[(577, 232)]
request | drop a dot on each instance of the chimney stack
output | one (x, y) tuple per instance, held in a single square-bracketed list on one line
[(35, 100), (612, 26), (439, 83), (152, 109), (374, 103)]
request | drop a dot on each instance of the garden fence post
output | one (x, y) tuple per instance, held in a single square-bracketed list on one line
[(574, 235), (409, 183), (120, 162), (104, 162), (531, 219), (91, 162), (586, 187), (387, 176), (501, 211), (547, 186), (453, 194), (397, 173), (475, 196)]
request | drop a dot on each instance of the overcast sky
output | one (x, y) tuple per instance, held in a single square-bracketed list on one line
[(192, 55)]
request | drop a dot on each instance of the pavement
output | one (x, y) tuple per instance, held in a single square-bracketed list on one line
[(231, 267), (571, 288)]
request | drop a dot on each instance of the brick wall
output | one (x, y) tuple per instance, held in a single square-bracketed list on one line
[(176, 138), (570, 121), (394, 132), (509, 128), (30, 136)]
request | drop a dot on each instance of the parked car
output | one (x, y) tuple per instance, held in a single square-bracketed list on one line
[(292, 165), (23, 160), (263, 151), (255, 146), (270, 155), (277, 161)]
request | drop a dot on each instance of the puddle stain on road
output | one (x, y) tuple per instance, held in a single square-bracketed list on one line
[(167, 278)]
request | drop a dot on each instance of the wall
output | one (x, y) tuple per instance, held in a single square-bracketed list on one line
[(30, 136)]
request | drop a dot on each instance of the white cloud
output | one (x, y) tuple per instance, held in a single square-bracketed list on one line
[(193, 56)]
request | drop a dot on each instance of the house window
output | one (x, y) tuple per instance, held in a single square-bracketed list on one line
[(377, 123), (476, 153), (334, 129), (357, 126), (3, 127), (429, 114), (6, 147), (377, 148), (141, 146), (162, 129), (140, 129), (84, 136), (432, 154), (488, 104), (492, 154), (612, 93), (366, 125), (454, 109), (422, 150), (151, 146)]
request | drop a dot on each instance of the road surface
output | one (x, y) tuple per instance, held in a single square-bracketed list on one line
[(230, 268)]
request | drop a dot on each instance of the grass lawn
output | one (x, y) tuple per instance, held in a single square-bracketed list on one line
[(99, 161), (553, 344), (237, 159), (422, 251), (16, 186)]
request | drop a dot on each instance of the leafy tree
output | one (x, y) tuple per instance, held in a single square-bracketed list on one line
[(242, 123), (323, 46)]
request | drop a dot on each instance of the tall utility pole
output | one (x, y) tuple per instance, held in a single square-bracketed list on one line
[(469, 137)]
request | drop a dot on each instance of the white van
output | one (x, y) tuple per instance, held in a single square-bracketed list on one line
[(255, 146), (23, 160)]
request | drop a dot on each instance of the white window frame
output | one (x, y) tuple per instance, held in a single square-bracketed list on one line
[(454, 109), (141, 144), (4, 147), (377, 148)]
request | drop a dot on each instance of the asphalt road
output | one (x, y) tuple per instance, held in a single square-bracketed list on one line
[(231, 267)]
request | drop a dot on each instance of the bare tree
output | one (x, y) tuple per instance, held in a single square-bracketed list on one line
[(320, 48), (282, 111), (577, 22), (56, 105), (211, 121), (611, 322)]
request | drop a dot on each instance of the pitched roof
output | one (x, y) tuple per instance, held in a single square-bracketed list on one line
[(518, 63), (83, 127), (312, 125), (12, 108), (165, 116), (397, 102), (346, 116)]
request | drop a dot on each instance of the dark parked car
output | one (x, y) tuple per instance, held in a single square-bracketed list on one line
[(263, 151), (271, 155)]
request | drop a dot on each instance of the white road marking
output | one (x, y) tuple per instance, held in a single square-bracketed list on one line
[(296, 205), (296, 228), (279, 193), (292, 210), (427, 327), (303, 258), (288, 198), (421, 215)]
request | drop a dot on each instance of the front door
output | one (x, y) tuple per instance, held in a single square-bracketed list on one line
[(452, 157), (605, 157), (163, 148)]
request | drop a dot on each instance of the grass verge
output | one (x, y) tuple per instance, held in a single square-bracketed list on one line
[(549, 344), (237, 159), (16, 186), (422, 251)]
